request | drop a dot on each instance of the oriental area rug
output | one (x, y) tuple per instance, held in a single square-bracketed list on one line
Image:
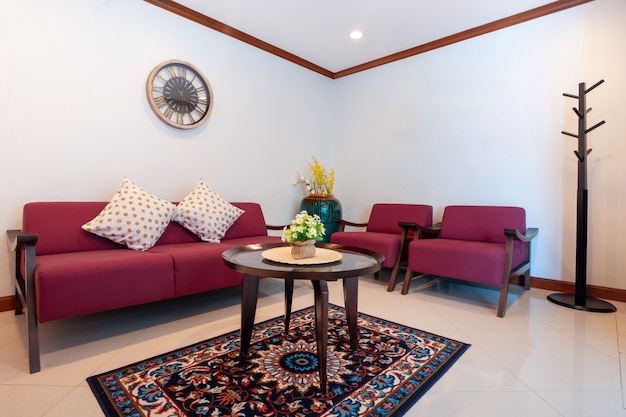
[(393, 367)]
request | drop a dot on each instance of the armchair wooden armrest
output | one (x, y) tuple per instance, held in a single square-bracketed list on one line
[(343, 223), (526, 237), (419, 230)]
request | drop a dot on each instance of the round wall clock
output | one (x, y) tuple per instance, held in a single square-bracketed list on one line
[(179, 94)]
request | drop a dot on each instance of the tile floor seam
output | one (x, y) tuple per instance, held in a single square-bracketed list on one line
[(621, 363)]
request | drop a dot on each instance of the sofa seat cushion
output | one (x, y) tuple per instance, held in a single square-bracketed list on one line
[(199, 267), (74, 284), (384, 243), (481, 262)]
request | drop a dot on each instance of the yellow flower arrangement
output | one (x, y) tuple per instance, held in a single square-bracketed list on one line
[(322, 183)]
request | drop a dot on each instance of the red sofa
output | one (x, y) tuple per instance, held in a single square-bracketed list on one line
[(63, 271)]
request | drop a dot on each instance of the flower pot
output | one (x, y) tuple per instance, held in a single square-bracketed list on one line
[(302, 250), (326, 206)]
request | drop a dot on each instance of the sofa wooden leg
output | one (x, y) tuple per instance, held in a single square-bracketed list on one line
[(19, 308), (33, 342)]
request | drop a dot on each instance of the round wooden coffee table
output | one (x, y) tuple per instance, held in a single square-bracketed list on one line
[(253, 262)]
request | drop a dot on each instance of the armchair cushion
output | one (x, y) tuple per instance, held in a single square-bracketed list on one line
[(481, 262), (384, 243), (384, 218), (382, 233)]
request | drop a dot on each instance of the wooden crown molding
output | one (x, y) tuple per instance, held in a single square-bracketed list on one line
[(535, 13)]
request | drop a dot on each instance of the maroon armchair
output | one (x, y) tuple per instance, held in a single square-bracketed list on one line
[(383, 234), (482, 244)]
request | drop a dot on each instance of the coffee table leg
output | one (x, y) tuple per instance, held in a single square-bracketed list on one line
[(321, 328), (249, 296), (350, 299), (288, 303)]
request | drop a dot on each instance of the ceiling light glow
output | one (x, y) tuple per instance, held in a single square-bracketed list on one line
[(357, 34)]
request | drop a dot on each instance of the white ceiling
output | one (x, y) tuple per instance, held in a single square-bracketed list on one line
[(317, 31)]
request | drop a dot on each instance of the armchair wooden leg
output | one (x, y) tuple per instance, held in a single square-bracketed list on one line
[(394, 272), (407, 281), (392, 279), (504, 292)]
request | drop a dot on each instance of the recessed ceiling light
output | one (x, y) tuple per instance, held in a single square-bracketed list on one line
[(356, 34)]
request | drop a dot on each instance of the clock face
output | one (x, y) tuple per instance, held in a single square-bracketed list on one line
[(179, 94)]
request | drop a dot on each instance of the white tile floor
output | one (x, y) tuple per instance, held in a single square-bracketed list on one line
[(540, 360)]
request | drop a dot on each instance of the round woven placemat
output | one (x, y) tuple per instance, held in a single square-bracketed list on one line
[(283, 255)]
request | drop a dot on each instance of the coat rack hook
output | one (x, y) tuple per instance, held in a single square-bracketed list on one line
[(569, 134), (580, 158), (578, 113), (570, 95), (594, 86), (594, 126)]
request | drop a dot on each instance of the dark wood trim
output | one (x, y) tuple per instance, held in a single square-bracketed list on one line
[(567, 287), (197, 17), (7, 303), (535, 13)]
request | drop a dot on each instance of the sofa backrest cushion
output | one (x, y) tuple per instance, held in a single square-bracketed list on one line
[(481, 223), (250, 223), (58, 226), (384, 217)]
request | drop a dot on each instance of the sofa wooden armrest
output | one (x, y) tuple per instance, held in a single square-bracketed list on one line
[(275, 227)]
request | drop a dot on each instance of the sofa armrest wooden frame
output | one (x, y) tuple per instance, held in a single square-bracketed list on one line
[(24, 247)]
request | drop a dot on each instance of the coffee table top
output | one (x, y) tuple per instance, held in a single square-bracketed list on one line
[(353, 262)]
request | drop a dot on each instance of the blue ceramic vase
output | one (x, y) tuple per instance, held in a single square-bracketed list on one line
[(326, 206)]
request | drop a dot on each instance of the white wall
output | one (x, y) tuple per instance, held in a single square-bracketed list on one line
[(75, 118), (477, 122)]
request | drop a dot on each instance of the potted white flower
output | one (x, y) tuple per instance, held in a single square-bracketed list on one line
[(302, 233)]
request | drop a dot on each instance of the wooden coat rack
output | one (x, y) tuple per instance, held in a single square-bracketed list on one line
[(580, 300)]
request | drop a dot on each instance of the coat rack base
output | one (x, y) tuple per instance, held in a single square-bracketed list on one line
[(582, 303)]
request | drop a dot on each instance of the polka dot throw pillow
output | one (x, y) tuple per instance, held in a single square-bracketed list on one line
[(206, 214), (133, 217)]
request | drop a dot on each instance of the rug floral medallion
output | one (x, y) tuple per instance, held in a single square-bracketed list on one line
[(393, 367)]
